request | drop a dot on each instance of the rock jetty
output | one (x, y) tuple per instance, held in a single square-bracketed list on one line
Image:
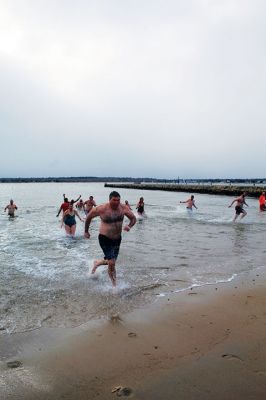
[(229, 190)]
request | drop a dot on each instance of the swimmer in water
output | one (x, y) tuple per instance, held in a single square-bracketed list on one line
[(11, 207), (140, 207), (112, 216), (240, 201), (190, 203), (69, 220)]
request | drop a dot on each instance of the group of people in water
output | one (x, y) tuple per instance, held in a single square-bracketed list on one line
[(112, 215), (70, 211), (239, 207)]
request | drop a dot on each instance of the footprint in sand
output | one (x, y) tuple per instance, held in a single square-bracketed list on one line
[(231, 357), (122, 391), (132, 334), (260, 372)]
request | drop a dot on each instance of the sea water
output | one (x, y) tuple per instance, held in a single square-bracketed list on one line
[(44, 275)]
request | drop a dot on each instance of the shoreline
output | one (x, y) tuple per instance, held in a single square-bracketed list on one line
[(203, 343)]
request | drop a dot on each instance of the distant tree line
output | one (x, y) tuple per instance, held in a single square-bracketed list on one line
[(133, 180)]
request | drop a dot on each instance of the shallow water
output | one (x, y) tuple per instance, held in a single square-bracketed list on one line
[(44, 277)]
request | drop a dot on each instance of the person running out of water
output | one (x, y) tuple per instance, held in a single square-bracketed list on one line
[(89, 204), (112, 216), (72, 201), (240, 201), (140, 206), (127, 205), (262, 202), (11, 207), (190, 203), (80, 205), (69, 220), (64, 206)]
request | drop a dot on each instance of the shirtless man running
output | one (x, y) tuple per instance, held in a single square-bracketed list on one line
[(190, 203), (89, 204), (240, 201), (11, 207), (112, 216)]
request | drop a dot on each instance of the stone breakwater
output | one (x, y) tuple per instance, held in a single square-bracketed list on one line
[(228, 190)]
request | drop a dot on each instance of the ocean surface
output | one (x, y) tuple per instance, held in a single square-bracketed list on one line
[(44, 275)]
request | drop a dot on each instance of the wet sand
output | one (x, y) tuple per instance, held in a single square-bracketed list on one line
[(204, 343)]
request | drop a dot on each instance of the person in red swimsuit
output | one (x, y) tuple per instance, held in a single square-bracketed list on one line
[(262, 202), (64, 206)]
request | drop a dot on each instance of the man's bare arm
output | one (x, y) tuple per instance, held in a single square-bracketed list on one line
[(92, 214), (233, 202), (75, 201), (129, 214), (59, 211)]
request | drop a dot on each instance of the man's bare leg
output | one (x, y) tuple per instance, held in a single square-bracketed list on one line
[(97, 263), (243, 215), (236, 216), (112, 271)]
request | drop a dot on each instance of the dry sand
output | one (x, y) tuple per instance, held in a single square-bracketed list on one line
[(205, 343)]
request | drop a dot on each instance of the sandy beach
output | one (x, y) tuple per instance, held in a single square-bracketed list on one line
[(204, 343)]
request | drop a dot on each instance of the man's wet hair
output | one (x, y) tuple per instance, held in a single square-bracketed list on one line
[(113, 194)]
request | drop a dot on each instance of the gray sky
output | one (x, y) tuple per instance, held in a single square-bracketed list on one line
[(156, 88)]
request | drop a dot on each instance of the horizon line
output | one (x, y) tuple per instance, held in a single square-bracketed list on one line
[(102, 178)]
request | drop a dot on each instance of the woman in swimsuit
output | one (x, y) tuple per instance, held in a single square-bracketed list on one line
[(140, 207), (70, 221)]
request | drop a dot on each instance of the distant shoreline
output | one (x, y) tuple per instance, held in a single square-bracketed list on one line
[(228, 190), (229, 187), (139, 180)]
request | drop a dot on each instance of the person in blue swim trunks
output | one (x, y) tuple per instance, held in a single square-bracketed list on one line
[(112, 216)]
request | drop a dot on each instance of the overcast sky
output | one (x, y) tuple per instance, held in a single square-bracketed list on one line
[(155, 88)]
